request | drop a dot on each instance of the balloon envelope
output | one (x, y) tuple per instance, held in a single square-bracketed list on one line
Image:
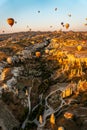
[(50, 26), (15, 22), (62, 24), (55, 9), (69, 15), (67, 25), (85, 24), (10, 21), (38, 54)]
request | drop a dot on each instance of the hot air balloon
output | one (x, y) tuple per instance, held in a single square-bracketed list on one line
[(85, 24), (15, 22), (38, 11), (67, 25), (55, 9), (10, 21), (30, 29), (51, 26), (38, 54), (47, 51), (9, 60), (69, 15), (3, 31), (27, 26), (62, 24)]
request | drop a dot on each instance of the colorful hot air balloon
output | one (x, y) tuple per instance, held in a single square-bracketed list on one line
[(10, 21), (38, 54), (67, 25), (9, 60)]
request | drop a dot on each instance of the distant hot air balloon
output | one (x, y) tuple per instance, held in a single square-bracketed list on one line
[(51, 26), (9, 60), (55, 9), (15, 22), (27, 26), (30, 29), (10, 21), (69, 15), (47, 51), (3, 31), (62, 24), (67, 25), (85, 24), (38, 54), (38, 11)]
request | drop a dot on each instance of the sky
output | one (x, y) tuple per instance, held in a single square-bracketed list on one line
[(25, 12)]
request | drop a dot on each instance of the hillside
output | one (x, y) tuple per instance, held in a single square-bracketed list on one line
[(47, 72)]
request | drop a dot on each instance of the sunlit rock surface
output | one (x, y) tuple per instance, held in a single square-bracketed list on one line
[(55, 78)]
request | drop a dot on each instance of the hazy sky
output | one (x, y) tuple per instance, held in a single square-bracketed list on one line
[(25, 12)]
